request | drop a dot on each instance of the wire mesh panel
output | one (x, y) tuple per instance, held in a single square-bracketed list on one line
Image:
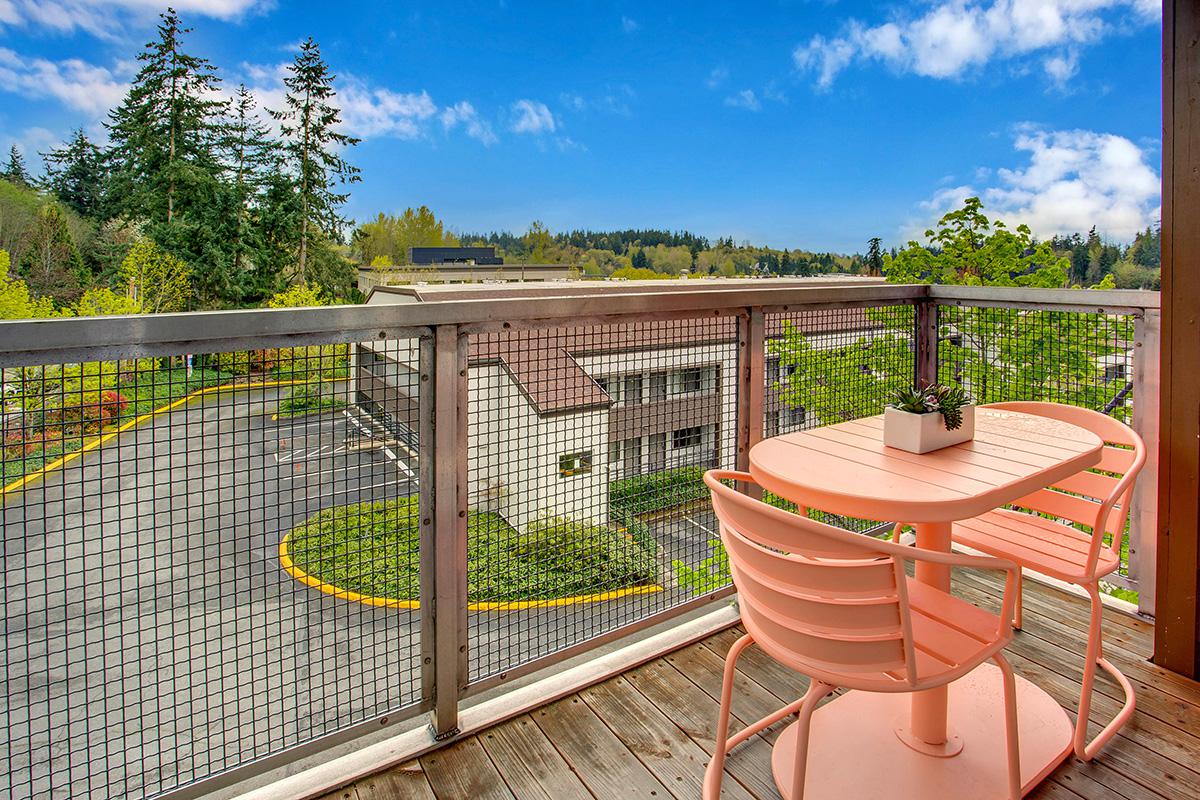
[(1073, 357), (825, 366), (207, 560), (587, 448)]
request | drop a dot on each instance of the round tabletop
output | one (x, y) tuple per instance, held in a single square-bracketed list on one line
[(846, 469)]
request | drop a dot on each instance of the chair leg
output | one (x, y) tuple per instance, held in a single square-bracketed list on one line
[(1084, 750), (1010, 726), (1018, 614), (716, 766), (816, 691)]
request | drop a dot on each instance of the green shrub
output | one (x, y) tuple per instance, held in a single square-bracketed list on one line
[(373, 549), (309, 398), (709, 575), (657, 491)]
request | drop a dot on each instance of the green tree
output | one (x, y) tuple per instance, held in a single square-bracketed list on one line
[(76, 174), (14, 169), (154, 279), (100, 301), (391, 236), (968, 248), (874, 259), (164, 133), (16, 301), (51, 264), (537, 243), (251, 154), (312, 143)]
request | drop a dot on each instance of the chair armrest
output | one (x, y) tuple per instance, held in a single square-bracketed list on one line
[(1008, 602)]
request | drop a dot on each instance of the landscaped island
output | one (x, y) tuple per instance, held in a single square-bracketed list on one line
[(372, 550)]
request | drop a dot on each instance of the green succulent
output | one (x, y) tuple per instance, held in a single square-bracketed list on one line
[(946, 400)]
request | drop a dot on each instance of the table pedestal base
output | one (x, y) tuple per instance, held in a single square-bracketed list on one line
[(854, 750)]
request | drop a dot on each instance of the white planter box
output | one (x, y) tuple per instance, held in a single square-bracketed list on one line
[(923, 433)]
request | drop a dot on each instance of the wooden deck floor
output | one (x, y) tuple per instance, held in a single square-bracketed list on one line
[(649, 732)]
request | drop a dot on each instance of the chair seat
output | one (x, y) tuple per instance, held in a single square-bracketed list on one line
[(950, 638), (1041, 544)]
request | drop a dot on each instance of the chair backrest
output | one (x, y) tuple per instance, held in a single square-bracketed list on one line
[(831, 600), (1105, 490)]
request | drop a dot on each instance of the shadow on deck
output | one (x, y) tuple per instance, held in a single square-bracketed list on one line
[(648, 733)]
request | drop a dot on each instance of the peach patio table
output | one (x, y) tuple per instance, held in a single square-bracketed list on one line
[(946, 742)]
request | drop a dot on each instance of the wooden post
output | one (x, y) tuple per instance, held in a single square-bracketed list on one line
[(1177, 606)]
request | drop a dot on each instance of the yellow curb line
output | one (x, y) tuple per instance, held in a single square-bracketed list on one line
[(290, 567), (99, 440)]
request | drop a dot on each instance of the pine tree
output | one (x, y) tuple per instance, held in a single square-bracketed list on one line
[(14, 170), (76, 174), (250, 153), (875, 257), (51, 265), (163, 134), (309, 123)]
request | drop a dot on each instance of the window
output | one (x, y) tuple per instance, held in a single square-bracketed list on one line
[(686, 437), (791, 418), (691, 381), (574, 464), (658, 386), (1114, 372)]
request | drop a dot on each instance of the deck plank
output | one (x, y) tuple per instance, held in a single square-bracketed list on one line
[(406, 780), (664, 749), (649, 733), (530, 764), (463, 771), (599, 758)]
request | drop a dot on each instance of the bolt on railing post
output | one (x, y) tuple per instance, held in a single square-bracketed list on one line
[(926, 368), (449, 524), (1143, 527), (751, 378)]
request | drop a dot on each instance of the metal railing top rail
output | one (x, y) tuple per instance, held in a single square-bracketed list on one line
[(95, 338), (1092, 300)]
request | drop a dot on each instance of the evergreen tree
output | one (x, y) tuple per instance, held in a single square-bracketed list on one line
[(14, 170), (309, 123), (51, 264), (250, 153), (76, 174), (875, 257), (163, 135)]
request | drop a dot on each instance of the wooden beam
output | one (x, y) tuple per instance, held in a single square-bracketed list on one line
[(1177, 621)]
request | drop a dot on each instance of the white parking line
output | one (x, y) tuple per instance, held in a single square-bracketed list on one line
[(701, 527), (386, 450)]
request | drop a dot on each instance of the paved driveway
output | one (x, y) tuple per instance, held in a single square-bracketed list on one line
[(151, 637)]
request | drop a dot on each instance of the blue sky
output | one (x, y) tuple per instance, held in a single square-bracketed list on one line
[(794, 124)]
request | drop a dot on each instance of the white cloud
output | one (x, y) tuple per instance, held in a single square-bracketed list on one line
[(109, 17), (717, 77), (368, 112), (744, 99), (74, 82), (613, 100), (1073, 180), (629, 25), (463, 113), (953, 37), (532, 117)]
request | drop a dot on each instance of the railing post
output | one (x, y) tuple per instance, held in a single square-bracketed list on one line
[(926, 368), (449, 527), (752, 378), (1143, 529)]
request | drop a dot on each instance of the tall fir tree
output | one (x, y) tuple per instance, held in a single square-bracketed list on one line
[(875, 257), (312, 143), (164, 132), (15, 170), (250, 155), (76, 174)]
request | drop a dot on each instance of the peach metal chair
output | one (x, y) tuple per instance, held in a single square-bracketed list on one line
[(1098, 500), (838, 607)]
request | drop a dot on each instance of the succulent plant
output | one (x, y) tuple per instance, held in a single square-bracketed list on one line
[(934, 398)]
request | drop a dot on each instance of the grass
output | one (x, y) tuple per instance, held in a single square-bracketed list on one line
[(373, 549), (146, 391)]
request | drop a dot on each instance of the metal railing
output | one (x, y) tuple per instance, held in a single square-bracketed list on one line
[(234, 539)]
